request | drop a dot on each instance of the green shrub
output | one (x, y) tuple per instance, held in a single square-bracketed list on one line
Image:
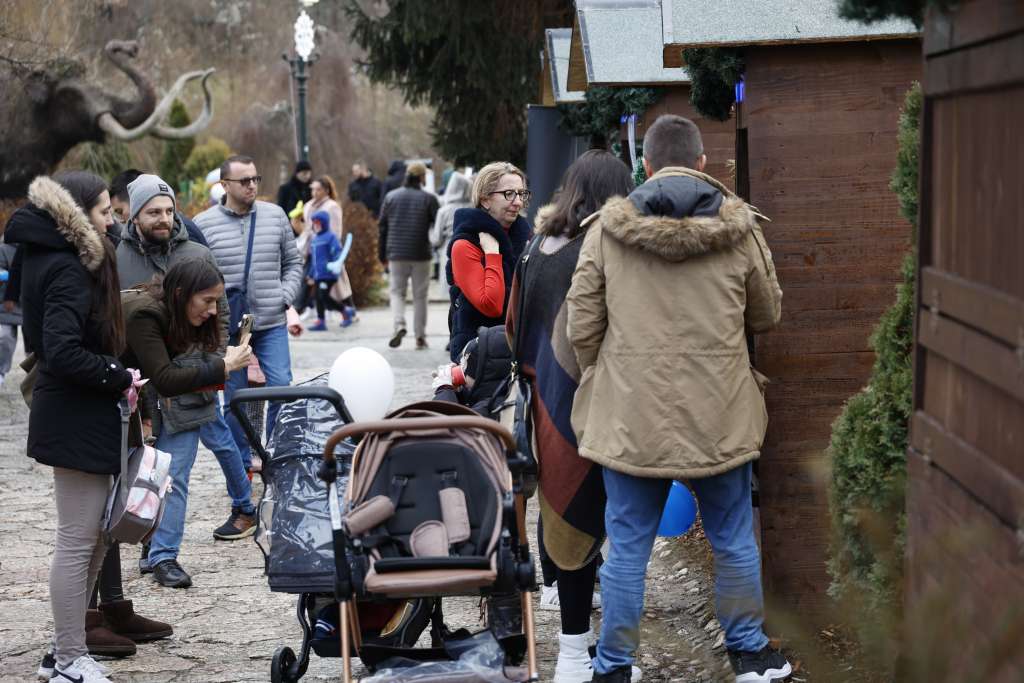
[(868, 449), (206, 157), (362, 264), (105, 160), (176, 152)]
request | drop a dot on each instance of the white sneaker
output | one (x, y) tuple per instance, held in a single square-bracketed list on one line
[(595, 601), (85, 669), (549, 597), (45, 670), (574, 663)]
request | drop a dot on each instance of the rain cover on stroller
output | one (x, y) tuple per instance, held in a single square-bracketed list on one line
[(295, 526)]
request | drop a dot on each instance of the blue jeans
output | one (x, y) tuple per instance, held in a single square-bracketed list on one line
[(271, 349), (183, 447), (218, 438), (631, 518)]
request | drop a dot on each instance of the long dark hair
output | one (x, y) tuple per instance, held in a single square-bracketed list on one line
[(175, 289), (593, 179), (85, 188)]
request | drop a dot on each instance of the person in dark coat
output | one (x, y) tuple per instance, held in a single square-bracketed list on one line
[(10, 312), (486, 243), (396, 176), (485, 363), (366, 188), (70, 298), (404, 247), (297, 189)]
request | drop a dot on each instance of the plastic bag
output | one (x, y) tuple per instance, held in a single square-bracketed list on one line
[(480, 660)]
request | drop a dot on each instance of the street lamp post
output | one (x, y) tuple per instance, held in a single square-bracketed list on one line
[(300, 65)]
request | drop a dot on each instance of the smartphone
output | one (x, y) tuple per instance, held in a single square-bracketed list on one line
[(245, 329)]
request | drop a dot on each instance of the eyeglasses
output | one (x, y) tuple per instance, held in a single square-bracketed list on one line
[(509, 195), (251, 180)]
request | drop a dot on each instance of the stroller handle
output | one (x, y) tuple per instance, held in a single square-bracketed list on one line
[(411, 424)]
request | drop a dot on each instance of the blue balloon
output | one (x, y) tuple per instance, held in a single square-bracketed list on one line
[(680, 511)]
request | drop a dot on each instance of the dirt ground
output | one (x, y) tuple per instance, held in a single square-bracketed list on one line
[(228, 624)]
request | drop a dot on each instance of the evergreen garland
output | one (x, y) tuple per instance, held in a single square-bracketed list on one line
[(714, 72), (601, 114), (869, 443)]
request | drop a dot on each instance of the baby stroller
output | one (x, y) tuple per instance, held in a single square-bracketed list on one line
[(294, 524), (433, 507)]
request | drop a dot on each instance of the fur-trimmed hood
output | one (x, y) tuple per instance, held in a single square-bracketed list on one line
[(54, 221), (677, 214)]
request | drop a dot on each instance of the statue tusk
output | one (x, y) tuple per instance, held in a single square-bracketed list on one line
[(109, 124), (197, 126)]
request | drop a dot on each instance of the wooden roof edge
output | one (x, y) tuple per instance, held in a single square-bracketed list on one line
[(672, 54)]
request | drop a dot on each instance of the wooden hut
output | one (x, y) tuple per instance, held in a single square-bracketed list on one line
[(620, 44), (965, 501), (815, 147)]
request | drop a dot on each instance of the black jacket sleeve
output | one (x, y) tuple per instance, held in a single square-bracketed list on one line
[(67, 299)]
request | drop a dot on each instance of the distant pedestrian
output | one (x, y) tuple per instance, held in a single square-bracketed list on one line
[(325, 198), (457, 195), (297, 189), (669, 281), (486, 243), (10, 311), (323, 249), (365, 188), (396, 176), (73, 322), (572, 500), (404, 248), (271, 285)]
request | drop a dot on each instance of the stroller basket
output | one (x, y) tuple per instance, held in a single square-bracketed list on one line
[(294, 529)]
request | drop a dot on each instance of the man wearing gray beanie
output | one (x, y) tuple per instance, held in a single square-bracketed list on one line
[(151, 207)]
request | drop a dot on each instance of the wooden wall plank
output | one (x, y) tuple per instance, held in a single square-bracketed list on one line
[(984, 308), (969, 23), (984, 67)]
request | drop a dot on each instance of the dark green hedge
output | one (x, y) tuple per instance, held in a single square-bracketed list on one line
[(714, 72), (869, 443), (600, 115)]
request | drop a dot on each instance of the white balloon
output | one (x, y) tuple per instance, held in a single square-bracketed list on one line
[(365, 381)]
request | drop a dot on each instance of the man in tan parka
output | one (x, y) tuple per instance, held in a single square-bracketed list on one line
[(669, 282)]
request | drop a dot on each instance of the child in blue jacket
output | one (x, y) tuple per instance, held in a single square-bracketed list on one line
[(323, 249)]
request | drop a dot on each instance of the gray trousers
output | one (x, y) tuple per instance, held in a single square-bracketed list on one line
[(8, 342), (79, 552), (401, 272)]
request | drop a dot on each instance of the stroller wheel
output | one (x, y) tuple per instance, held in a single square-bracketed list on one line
[(282, 666)]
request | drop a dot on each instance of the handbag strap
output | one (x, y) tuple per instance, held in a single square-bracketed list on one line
[(121, 482), (521, 302), (248, 252)]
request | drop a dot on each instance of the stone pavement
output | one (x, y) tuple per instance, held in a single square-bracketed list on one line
[(228, 624)]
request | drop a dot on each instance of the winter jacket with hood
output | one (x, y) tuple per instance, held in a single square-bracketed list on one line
[(668, 283), (323, 249), (396, 176), (293, 192), (368, 191), (137, 262), (275, 275), (74, 422), (463, 318)]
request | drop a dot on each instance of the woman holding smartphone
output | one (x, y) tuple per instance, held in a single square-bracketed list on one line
[(173, 336)]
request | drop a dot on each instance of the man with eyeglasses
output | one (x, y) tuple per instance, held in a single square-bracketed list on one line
[(271, 284), (405, 222)]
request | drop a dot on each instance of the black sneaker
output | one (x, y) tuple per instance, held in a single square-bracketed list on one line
[(764, 666), (622, 674), (239, 525), (168, 573), (396, 339), (144, 566), (45, 670)]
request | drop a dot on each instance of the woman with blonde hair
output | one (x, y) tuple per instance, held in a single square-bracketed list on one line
[(487, 241), (325, 198)]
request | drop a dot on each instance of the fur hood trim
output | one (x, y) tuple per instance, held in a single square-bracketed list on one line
[(72, 223), (676, 239)]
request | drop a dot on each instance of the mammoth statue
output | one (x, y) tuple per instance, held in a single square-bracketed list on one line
[(47, 111)]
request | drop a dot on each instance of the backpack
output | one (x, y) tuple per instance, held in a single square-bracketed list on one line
[(136, 501)]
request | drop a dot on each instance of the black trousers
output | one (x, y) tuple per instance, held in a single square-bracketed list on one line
[(324, 300), (108, 584), (575, 588)]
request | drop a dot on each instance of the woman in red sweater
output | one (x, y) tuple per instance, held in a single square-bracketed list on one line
[(486, 243)]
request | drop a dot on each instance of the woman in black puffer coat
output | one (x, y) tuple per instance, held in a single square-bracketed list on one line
[(71, 308)]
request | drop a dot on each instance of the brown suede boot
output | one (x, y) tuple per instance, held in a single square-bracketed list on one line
[(120, 616), (102, 641)]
